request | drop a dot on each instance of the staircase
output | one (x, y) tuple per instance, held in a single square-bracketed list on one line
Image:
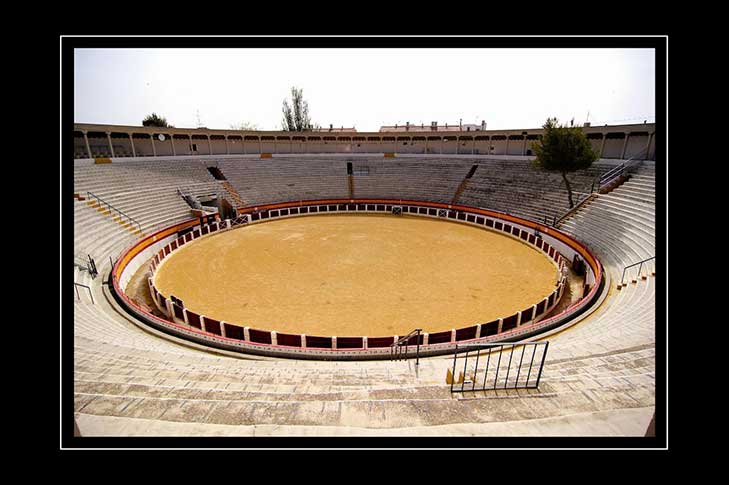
[(459, 191), (463, 185), (572, 212), (351, 186), (117, 216), (227, 186), (234, 196), (640, 186)]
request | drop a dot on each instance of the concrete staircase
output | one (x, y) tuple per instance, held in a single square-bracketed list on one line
[(104, 210), (459, 191), (237, 200)]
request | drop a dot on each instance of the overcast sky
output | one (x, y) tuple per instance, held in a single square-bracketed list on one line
[(365, 88)]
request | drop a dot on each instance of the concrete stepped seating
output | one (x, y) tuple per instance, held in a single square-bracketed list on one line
[(515, 187), (602, 366), (283, 179), (147, 191), (627, 317)]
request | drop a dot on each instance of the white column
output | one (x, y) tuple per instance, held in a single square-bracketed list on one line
[(131, 140), (364, 342), (210, 146), (518, 319), (625, 145), (478, 331), (222, 328), (247, 333), (274, 338), (334, 342), (154, 150), (501, 324), (88, 148), (111, 147), (303, 340), (648, 146), (184, 315), (453, 335), (425, 338), (190, 143)]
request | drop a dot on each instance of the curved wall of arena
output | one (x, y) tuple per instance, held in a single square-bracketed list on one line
[(182, 322)]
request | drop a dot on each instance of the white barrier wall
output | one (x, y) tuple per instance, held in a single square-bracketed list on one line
[(208, 331), (141, 258)]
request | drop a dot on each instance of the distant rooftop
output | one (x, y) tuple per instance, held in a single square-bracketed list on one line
[(434, 126), (337, 130)]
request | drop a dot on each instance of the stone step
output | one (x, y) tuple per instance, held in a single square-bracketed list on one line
[(477, 407)]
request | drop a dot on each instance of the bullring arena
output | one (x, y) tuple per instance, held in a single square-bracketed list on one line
[(344, 288)]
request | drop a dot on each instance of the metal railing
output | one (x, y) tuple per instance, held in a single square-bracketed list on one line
[(489, 357), (640, 267), (92, 267), (396, 349), (86, 264), (242, 219), (614, 173), (75, 287), (572, 210), (111, 207)]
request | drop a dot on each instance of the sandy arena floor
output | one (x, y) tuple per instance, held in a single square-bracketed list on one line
[(350, 275)]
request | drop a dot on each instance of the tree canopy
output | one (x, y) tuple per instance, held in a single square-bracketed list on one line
[(563, 149), (296, 116), (155, 120)]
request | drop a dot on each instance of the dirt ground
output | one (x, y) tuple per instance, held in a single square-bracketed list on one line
[(350, 275)]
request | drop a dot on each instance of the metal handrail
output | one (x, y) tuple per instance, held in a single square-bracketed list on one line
[(571, 210), (616, 172), (75, 287), (132, 220), (639, 263), (396, 348)]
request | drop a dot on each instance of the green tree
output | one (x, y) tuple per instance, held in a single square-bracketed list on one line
[(296, 116), (154, 120), (563, 149)]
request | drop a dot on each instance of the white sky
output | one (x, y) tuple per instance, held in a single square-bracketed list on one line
[(365, 88)]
